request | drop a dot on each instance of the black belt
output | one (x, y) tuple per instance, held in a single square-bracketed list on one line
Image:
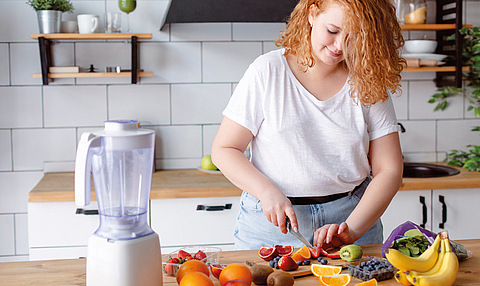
[(329, 198), (316, 200)]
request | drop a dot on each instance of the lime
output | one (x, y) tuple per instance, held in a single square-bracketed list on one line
[(207, 163)]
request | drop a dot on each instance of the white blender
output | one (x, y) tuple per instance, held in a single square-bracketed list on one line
[(124, 250)]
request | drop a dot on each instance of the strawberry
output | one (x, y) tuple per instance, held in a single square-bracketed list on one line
[(189, 257), (182, 254), (200, 255), (286, 263), (170, 269)]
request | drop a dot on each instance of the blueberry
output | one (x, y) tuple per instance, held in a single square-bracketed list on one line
[(324, 261), (306, 262), (271, 263), (363, 264), (299, 262)]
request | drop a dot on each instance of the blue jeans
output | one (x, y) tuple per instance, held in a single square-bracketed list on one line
[(253, 230)]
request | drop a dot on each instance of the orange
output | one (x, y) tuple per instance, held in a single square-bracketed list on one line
[(302, 254), (372, 282), (319, 269), (235, 271), (194, 278), (335, 280), (192, 265)]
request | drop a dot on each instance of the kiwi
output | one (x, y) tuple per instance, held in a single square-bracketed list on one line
[(260, 273), (280, 278), (351, 252)]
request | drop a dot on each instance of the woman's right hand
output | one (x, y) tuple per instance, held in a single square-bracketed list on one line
[(276, 207)]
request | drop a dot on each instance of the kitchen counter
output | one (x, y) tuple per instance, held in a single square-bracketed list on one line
[(191, 183), (72, 271)]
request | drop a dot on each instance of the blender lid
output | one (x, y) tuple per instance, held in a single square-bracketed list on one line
[(122, 128)]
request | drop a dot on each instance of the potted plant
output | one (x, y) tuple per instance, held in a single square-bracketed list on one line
[(49, 14), (471, 58)]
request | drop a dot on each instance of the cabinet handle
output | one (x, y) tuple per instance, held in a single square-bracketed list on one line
[(444, 212), (424, 211), (86, 212), (214, 208)]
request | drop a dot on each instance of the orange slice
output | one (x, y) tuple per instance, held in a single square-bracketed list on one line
[(335, 280), (302, 254), (320, 270), (372, 282)]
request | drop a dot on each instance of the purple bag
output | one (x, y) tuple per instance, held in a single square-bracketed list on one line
[(400, 231)]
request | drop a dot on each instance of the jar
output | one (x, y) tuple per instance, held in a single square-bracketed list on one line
[(399, 8), (415, 12)]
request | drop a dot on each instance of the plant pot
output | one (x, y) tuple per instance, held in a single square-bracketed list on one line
[(49, 21)]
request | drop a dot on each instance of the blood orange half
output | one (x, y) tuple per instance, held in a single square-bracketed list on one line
[(284, 250), (267, 253)]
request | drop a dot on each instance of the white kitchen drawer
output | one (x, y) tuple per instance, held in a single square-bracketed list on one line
[(50, 253), (179, 223), (57, 225)]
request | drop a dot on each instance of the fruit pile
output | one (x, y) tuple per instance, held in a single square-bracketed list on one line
[(171, 267), (372, 268), (438, 265)]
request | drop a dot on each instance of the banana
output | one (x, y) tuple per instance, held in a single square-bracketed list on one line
[(446, 275), (438, 265), (401, 278), (421, 264)]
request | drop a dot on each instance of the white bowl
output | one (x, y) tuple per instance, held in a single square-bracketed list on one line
[(420, 46)]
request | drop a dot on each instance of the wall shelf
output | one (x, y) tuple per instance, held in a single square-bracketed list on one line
[(430, 27), (44, 42)]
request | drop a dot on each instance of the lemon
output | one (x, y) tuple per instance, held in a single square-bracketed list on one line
[(207, 163)]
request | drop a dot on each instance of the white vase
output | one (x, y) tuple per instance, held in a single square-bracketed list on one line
[(49, 21)]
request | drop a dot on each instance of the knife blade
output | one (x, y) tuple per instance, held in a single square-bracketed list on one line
[(297, 234)]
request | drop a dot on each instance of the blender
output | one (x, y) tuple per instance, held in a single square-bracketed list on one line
[(124, 250)]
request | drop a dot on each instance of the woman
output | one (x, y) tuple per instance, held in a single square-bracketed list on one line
[(319, 118)]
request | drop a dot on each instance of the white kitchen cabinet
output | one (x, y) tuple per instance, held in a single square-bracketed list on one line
[(55, 231), (461, 211), (195, 221), (411, 206)]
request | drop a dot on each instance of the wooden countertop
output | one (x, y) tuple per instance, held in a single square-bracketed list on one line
[(190, 183), (72, 271)]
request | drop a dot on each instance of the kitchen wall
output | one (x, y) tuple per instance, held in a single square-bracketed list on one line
[(195, 67)]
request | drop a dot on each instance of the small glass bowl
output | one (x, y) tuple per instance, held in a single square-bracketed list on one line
[(170, 269)]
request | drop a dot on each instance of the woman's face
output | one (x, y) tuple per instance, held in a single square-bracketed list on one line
[(326, 34)]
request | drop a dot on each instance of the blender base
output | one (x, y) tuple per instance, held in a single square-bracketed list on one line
[(124, 262)]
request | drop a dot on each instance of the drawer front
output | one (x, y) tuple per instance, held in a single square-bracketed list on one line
[(57, 224), (194, 221)]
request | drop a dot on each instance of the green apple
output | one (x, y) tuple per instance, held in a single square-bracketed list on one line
[(207, 163)]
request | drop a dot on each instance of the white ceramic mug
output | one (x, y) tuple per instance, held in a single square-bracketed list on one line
[(87, 23)]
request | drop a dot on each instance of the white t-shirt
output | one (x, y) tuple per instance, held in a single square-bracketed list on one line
[(305, 146)]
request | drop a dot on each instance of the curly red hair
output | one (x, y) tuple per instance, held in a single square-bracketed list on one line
[(372, 35)]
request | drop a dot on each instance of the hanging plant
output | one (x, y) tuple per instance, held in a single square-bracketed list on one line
[(471, 59)]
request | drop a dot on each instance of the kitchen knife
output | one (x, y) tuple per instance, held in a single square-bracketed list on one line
[(297, 234)]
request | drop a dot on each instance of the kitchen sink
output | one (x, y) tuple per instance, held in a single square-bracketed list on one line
[(423, 170)]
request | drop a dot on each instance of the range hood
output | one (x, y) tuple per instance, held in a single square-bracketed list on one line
[(209, 11)]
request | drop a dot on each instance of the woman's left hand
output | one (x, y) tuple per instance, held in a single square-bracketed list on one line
[(333, 235)]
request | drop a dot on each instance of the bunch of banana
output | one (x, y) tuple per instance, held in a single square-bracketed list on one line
[(421, 271)]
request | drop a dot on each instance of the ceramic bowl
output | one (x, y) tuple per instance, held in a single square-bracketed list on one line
[(420, 46)]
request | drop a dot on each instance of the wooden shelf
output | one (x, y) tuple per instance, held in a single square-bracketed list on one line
[(431, 27), (94, 36), (93, 74)]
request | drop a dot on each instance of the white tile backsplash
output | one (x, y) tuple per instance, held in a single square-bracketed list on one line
[(21, 234), (227, 61), (183, 32), (33, 147), (149, 104), (171, 62), (199, 103), (257, 31), (4, 65), (7, 238), (420, 92), (71, 106), (29, 98), (14, 191), (196, 66), (6, 154)]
